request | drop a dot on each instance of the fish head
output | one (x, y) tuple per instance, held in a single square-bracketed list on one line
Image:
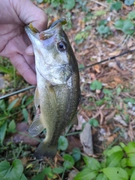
[(52, 52)]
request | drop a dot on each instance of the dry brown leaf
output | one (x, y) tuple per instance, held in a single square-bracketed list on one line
[(97, 68), (112, 43), (131, 132), (86, 139), (23, 136), (110, 139), (119, 119), (72, 174), (81, 121), (73, 143), (110, 116), (115, 53)]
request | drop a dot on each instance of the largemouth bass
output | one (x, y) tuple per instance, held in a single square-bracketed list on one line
[(58, 90)]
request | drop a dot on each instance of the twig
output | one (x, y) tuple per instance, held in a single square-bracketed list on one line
[(108, 59), (17, 92), (101, 4), (81, 69)]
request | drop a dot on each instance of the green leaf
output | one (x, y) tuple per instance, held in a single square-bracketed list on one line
[(39, 1), (11, 172), (102, 22), (100, 102), (69, 4), (25, 114), (92, 163), (47, 171), (125, 25), (10, 107), (131, 100), (4, 167), (129, 170), (58, 170), (2, 105), (79, 38), (11, 127), (123, 162), (133, 175), (39, 176), (129, 2), (103, 29), (100, 13), (131, 161), (114, 159), (28, 101), (111, 151), (68, 161), (101, 176), (128, 27), (116, 6), (131, 15), (62, 143), (96, 85), (119, 24), (94, 122), (108, 92), (109, 1), (76, 154), (115, 173), (3, 129), (86, 174), (130, 149), (23, 177), (6, 70)]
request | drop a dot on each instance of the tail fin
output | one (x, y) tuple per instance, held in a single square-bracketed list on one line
[(44, 150)]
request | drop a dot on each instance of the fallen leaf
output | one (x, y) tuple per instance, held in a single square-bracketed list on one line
[(86, 139), (23, 136), (115, 53), (73, 143), (119, 119), (72, 174)]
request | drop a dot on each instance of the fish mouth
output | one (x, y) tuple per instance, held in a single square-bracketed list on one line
[(53, 29)]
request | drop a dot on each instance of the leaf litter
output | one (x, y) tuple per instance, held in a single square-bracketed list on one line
[(113, 105)]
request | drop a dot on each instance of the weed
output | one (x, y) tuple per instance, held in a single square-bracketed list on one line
[(118, 164), (81, 36)]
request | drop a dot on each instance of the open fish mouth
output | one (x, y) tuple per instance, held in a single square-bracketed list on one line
[(53, 28)]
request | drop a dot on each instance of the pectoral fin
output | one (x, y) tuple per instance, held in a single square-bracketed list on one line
[(36, 127), (52, 96)]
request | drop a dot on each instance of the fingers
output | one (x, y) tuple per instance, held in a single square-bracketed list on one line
[(24, 68), (29, 13), (29, 51)]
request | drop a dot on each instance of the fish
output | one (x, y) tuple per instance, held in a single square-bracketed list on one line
[(57, 94)]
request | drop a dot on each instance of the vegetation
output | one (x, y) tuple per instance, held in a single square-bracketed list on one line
[(102, 30)]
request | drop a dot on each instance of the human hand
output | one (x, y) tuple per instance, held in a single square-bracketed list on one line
[(14, 43)]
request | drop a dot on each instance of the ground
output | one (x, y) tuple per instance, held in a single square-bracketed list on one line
[(107, 89)]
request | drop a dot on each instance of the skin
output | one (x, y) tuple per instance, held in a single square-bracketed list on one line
[(14, 43)]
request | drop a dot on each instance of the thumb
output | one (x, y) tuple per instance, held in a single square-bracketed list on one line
[(29, 13)]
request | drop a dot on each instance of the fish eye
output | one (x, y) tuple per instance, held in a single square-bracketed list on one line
[(62, 46)]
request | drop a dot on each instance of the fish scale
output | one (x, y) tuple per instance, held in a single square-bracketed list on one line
[(58, 89)]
